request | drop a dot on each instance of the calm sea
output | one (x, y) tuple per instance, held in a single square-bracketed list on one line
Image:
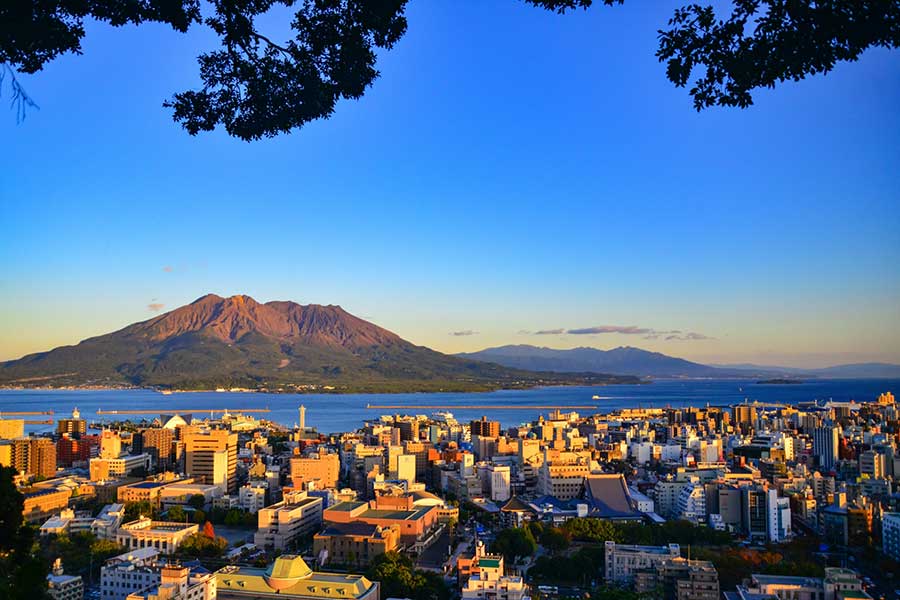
[(332, 412)]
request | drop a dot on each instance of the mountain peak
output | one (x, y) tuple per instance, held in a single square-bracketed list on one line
[(236, 341)]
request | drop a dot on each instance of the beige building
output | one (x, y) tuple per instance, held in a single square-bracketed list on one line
[(102, 469), (322, 468), (30, 455), (42, 503), (11, 429), (164, 536), (563, 481), (354, 544), (211, 457), (285, 522)]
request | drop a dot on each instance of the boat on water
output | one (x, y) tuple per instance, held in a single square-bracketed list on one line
[(595, 397)]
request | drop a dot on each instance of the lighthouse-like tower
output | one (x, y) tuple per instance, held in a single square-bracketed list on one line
[(302, 417)]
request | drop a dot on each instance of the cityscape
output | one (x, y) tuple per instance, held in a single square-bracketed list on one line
[(745, 502)]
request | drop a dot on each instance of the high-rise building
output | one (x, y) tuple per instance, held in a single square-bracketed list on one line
[(826, 442), (755, 519), (33, 456), (485, 428), (70, 450), (11, 429), (211, 457), (110, 444), (323, 467), (744, 415), (779, 516), (75, 426), (158, 443)]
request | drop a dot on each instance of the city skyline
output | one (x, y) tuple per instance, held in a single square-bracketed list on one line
[(466, 194)]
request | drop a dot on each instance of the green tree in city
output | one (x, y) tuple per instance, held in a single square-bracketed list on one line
[(514, 543), (23, 576)]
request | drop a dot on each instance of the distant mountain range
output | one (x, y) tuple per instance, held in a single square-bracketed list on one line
[(238, 342), (643, 363)]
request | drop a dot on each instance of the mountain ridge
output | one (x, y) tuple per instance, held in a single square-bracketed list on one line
[(236, 341), (645, 363)]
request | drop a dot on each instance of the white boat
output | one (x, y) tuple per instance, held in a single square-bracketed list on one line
[(595, 397)]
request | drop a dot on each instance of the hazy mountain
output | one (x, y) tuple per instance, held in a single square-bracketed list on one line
[(643, 363), (237, 341), (623, 360), (874, 370)]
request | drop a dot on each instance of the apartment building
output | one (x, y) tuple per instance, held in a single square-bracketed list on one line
[(282, 524)]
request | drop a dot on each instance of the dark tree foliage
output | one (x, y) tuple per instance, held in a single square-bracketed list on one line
[(22, 573), (255, 87)]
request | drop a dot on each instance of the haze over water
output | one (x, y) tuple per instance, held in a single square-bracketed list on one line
[(346, 412)]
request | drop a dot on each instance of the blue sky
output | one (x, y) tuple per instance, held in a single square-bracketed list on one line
[(511, 171)]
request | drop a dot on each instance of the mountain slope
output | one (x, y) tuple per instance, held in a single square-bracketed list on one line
[(623, 360), (239, 342)]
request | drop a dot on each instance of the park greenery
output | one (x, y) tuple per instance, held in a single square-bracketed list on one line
[(203, 544), (255, 86), (82, 553)]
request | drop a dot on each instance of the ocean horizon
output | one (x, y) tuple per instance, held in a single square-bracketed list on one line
[(345, 412)]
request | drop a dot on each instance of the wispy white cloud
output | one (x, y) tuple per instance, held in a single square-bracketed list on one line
[(155, 306), (464, 332)]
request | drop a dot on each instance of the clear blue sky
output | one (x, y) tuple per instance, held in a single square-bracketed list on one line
[(511, 171)]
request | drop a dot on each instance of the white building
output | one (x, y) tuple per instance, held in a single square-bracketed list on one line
[(890, 534), (622, 561), (779, 516), (252, 498), (691, 505), (129, 572), (499, 482), (644, 503)]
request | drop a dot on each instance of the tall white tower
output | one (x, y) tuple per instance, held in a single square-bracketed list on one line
[(302, 417)]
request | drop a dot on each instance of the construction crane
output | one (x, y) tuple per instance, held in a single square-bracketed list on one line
[(22, 413), (46, 422)]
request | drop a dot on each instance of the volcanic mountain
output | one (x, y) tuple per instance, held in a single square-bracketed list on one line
[(239, 342)]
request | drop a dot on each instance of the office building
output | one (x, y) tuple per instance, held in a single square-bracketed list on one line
[(76, 426), (159, 444), (323, 468), (826, 442), (211, 457), (485, 428)]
